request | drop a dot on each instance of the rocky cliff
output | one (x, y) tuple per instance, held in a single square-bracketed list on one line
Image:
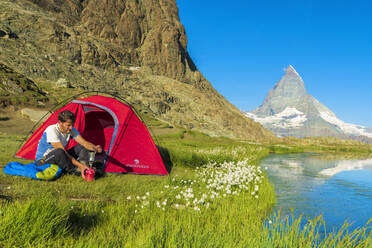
[(137, 49), (289, 111)]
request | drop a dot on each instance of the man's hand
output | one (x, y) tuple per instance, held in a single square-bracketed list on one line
[(90, 146), (98, 148), (82, 170)]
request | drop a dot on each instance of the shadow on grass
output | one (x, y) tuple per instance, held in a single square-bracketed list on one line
[(164, 153), (5, 198), (82, 223)]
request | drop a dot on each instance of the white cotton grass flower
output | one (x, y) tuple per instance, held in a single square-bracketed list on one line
[(212, 181), (230, 177), (178, 206), (129, 198)]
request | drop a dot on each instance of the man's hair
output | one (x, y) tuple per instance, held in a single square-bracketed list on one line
[(66, 115)]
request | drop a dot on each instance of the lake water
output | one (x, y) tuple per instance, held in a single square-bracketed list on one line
[(309, 184)]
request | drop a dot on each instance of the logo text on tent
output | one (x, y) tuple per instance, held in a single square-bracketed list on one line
[(137, 165)]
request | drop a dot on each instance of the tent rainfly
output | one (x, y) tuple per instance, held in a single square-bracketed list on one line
[(102, 120)]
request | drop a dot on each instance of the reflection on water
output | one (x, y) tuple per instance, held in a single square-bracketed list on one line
[(308, 184), (345, 165)]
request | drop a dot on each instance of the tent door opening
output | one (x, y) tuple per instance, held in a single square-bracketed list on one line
[(99, 127)]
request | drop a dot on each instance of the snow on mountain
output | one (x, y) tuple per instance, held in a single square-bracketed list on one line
[(290, 117), (347, 128)]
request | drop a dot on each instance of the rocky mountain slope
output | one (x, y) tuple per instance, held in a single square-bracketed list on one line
[(289, 111), (137, 49), (17, 89)]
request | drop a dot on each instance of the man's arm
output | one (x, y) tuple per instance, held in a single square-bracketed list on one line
[(81, 166), (90, 146)]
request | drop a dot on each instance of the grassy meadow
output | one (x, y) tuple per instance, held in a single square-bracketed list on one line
[(215, 196)]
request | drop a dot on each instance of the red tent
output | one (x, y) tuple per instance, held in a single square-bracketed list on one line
[(112, 124)]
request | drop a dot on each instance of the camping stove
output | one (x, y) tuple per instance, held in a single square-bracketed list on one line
[(92, 158)]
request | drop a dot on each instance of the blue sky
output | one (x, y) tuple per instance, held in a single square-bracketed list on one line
[(242, 47)]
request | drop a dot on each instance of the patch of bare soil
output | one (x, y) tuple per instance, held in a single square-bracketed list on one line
[(12, 122)]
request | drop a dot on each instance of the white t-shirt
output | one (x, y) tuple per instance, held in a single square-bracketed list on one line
[(53, 134)]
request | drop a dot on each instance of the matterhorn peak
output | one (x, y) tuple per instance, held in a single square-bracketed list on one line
[(291, 70), (289, 111), (290, 85), (288, 91)]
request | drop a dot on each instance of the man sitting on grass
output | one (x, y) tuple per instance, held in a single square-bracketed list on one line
[(51, 148)]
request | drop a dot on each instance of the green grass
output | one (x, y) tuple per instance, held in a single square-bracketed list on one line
[(289, 233), (329, 145), (70, 212), (33, 222)]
